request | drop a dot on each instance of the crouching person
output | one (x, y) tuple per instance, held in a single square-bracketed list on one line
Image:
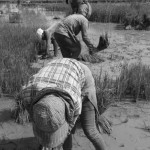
[(55, 97), (48, 37), (67, 30)]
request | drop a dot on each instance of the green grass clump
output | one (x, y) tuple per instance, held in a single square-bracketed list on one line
[(118, 12), (107, 12), (132, 84), (105, 91), (17, 52)]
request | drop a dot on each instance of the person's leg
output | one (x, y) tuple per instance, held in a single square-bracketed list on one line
[(55, 46), (62, 44), (69, 49), (68, 143), (76, 50), (88, 123)]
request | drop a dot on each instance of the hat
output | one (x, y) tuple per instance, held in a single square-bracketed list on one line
[(39, 33), (85, 9), (49, 121)]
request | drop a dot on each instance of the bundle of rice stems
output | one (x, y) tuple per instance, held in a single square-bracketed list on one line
[(93, 57)]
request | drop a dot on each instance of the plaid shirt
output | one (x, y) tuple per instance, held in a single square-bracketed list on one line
[(64, 74)]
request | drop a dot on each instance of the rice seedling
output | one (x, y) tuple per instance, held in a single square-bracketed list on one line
[(132, 84), (105, 91), (17, 53), (125, 13)]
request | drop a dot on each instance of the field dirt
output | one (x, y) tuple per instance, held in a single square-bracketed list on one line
[(131, 121)]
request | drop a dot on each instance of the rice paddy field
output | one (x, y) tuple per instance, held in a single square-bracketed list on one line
[(122, 77)]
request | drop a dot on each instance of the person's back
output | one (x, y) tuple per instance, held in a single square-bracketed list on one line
[(74, 78), (61, 74), (65, 35), (72, 24)]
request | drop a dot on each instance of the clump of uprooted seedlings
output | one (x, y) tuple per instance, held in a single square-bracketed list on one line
[(103, 43)]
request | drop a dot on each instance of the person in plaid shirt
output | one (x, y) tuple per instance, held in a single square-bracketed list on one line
[(72, 81)]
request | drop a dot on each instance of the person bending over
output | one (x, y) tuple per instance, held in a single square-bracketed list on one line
[(67, 30), (55, 97), (48, 37)]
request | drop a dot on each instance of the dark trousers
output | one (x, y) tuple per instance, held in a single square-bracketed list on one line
[(88, 123), (55, 46), (68, 47)]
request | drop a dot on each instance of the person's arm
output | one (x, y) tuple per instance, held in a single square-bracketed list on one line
[(84, 29), (49, 32), (89, 89)]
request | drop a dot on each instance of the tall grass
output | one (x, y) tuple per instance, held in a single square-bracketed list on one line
[(57, 7), (17, 52), (105, 91), (132, 84), (106, 11), (118, 12)]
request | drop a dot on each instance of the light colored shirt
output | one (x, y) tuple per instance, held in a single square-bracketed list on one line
[(72, 26)]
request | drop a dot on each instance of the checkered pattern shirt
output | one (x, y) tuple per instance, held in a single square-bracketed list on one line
[(64, 74)]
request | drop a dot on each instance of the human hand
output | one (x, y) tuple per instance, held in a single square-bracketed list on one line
[(93, 50), (104, 125)]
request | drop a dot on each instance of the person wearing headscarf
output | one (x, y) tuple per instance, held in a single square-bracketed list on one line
[(67, 30), (55, 97), (48, 37), (75, 4)]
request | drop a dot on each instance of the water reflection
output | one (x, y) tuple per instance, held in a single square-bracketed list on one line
[(36, 15)]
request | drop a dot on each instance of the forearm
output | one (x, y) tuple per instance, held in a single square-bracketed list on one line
[(88, 42), (85, 36)]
